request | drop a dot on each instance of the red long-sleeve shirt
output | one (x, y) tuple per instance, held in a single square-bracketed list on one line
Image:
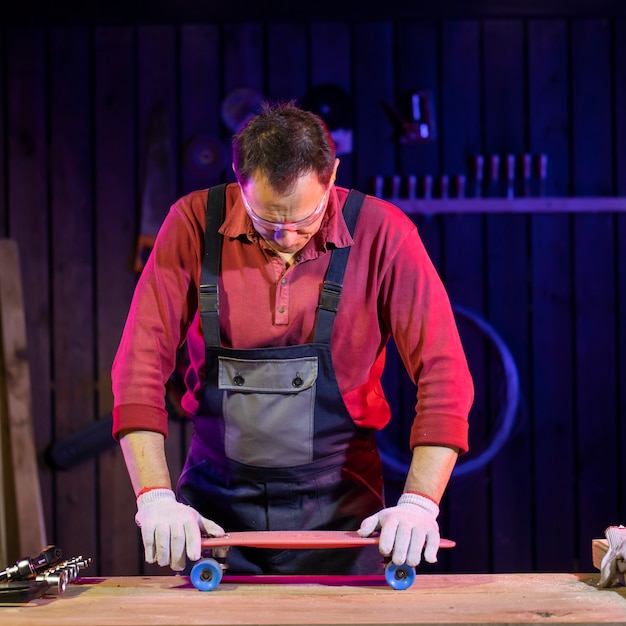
[(390, 289)]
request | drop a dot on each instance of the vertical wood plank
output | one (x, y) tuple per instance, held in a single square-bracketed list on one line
[(554, 465), (115, 184), (592, 130), (504, 86), (373, 133), (595, 331), (596, 383), (206, 153), (551, 403), (287, 73), (462, 265), (330, 54), (460, 128), (156, 89), (619, 38), (465, 279), (374, 154), (417, 67), (28, 220), (619, 106), (4, 214), (374, 81), (330, 48), (620, 314), (243, 57), (508, 304), (549, 121), (72, 278), (243, 62)]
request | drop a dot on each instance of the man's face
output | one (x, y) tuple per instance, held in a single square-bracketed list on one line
[(286, 222)]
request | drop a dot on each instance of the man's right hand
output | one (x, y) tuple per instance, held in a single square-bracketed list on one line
[(171, 530)]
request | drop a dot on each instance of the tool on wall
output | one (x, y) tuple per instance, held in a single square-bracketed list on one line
[(508, 175), (204, 156), (492, 176), (334, 105), (413, 120), (239, 106), (91, 440)]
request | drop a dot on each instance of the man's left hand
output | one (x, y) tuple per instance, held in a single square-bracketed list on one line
[(406, 530)]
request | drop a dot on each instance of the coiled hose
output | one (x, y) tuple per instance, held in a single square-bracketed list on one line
[(396, 463)]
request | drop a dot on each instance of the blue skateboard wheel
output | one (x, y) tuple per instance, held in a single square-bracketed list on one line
[(206, 575), (399, 576)]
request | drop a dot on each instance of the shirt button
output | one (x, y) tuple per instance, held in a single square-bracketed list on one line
[(281, 309), (283, 281)]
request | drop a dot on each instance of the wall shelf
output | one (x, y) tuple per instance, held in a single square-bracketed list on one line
[(436, 206)]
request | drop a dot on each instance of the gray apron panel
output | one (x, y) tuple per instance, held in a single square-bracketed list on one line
[(268, 409)]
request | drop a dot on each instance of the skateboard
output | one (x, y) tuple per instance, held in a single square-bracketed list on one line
[(207, 573)]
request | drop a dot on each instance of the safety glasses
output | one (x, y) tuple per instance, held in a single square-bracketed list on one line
[(305, 222)]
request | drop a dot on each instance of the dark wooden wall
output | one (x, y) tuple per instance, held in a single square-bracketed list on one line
[(75, 106)]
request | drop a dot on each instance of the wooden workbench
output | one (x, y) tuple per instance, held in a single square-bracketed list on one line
[(503, 599)]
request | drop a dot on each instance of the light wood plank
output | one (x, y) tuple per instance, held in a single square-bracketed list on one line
[(474, 600), (24, 506)]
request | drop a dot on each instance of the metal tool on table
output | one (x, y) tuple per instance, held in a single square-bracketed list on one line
[(45, 574)]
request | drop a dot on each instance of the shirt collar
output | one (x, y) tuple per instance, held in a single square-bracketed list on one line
[(332, 234)]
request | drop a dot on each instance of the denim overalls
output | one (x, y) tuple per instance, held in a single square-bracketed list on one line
[(274, 447)]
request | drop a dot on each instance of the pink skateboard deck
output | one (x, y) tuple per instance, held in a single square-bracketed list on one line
[(298, 539), (207, 573)]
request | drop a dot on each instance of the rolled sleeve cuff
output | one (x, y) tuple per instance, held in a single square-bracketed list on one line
[(441, 430), (139, 417)]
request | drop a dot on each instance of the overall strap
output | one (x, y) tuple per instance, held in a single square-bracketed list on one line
[(333, 284), (331, 288), (208, 297)]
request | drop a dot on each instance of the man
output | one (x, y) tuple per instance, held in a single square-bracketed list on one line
[(286, 290)]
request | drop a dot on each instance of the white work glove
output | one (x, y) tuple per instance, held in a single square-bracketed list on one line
[(406, 530), (170, 530), (613, 564)]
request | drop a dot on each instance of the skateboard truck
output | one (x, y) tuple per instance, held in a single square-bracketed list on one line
[(208, 572)]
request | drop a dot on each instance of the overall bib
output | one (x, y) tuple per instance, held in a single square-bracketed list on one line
[(274, 447)]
